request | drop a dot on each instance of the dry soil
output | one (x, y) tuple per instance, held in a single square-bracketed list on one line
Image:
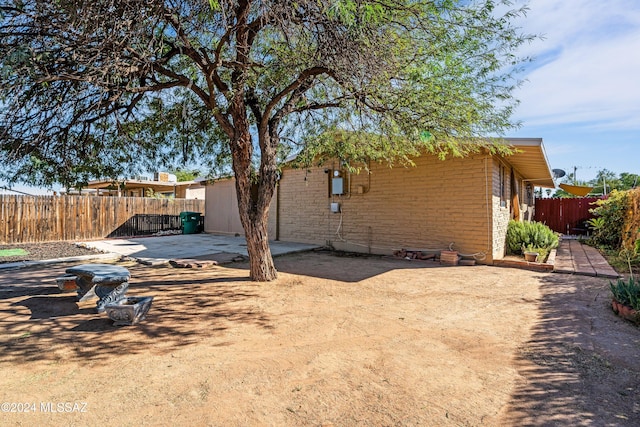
[(336, 341)]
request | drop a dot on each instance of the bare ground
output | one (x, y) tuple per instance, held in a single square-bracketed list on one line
[(334, 341)]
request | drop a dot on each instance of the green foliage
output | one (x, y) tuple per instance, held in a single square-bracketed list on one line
[(243, 81), (605, 181), (610, 216), (623, 260), (627, 292), (154, 88), (183, 175), (152, 194), (358, 148), (628, 181), (530, 236), (596, 224)]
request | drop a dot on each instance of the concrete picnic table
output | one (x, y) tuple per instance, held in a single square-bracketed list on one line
[(108, 282)]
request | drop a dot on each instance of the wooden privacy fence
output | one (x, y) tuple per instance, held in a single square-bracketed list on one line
[(27, 219), (565, 215)]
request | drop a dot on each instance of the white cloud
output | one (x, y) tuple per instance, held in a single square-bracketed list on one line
[(589, 64)]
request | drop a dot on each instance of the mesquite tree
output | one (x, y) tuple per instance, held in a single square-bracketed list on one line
[(90, 89)]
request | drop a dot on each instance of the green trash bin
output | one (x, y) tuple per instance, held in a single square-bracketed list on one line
[(190, 221)]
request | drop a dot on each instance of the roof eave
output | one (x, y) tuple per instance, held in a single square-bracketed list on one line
[(530, 161)]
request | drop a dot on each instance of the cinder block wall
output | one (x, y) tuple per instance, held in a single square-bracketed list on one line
[(428, 206)]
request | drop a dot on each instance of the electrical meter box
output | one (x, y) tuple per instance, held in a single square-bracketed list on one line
[(335, 207), (337, 186)]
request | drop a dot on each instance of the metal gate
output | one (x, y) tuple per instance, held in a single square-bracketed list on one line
[(147, 224), (565, 215)]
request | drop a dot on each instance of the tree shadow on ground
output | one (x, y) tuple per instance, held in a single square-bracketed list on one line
[(41, 324), (32, 281), (189, 305), (43, 307), (582, 364), (350, 270)]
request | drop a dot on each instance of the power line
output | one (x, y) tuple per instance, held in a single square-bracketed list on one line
[(16, 191)]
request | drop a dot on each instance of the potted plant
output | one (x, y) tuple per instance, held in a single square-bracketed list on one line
[(530, 254), (626, 299), (533, 240)]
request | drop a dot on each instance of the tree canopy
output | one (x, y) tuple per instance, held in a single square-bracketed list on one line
[(101, 88)]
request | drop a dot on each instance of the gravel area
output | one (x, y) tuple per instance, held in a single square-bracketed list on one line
[(45, 250)]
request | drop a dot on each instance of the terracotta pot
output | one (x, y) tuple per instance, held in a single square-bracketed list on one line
[(615, 306), (67, 283), (531, 256), (626, 312)]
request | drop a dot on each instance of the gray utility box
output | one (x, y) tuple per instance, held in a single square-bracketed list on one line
[(337, 186)]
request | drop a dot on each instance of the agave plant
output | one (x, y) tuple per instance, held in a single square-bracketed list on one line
[(627, 292)]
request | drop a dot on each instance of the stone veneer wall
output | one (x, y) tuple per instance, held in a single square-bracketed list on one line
[(501, 206), (503, 212)]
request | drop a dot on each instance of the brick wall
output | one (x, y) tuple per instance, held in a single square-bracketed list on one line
[(465, 201), (428, 206)]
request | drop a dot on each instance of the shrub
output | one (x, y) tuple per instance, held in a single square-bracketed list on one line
[(530, 236), (610, 218), (627, 292), (631, 227)]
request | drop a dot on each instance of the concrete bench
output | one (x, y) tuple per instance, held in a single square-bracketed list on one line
[(107, 282)]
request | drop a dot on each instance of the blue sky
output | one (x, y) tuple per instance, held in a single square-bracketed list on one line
[(582, 94)]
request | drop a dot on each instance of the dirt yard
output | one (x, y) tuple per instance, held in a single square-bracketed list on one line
[(335, 341)]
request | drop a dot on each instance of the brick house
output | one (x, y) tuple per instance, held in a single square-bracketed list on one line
[(465, 203)]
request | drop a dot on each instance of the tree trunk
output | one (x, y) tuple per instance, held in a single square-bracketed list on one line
[(253, 206), (254, 217), (261, 264)]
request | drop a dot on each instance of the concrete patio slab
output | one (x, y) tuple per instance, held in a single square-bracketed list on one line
[(159, 250)]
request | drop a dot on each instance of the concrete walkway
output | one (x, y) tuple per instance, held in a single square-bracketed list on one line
[(573, 257)]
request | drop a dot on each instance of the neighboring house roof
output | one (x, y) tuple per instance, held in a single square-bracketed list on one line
[(530, 161), (157, 186)]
